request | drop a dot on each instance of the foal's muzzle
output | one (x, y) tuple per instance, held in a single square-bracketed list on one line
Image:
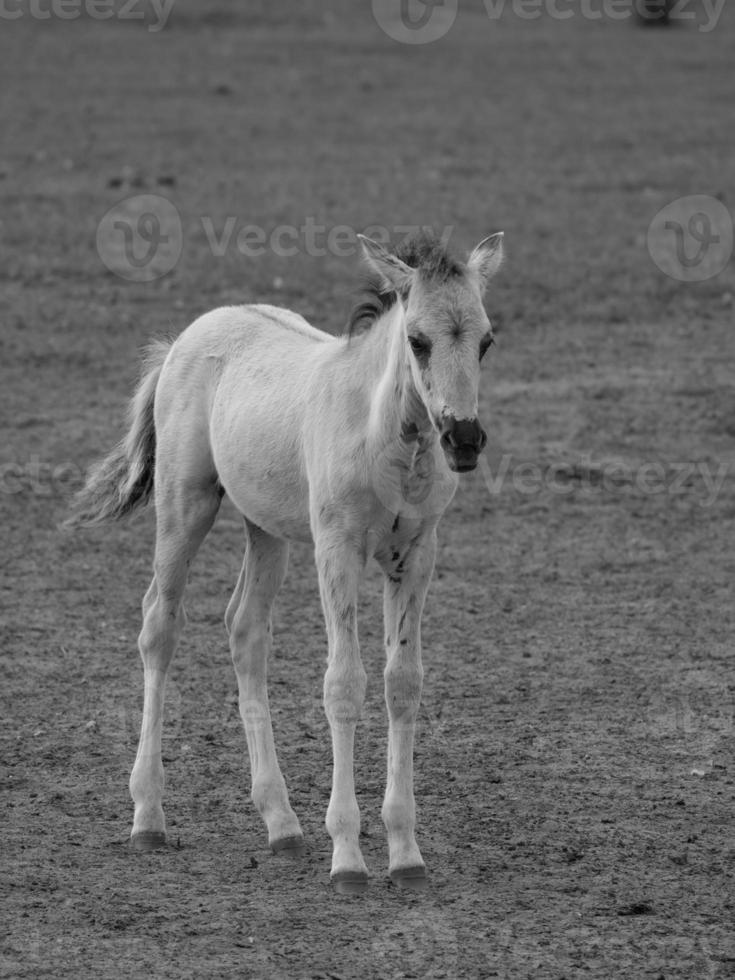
[(462, 441)]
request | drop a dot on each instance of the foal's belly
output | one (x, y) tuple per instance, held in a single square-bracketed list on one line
[(258, 456), (279, 513), (263, 478)]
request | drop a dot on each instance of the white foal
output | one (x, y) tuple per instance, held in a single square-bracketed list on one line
[(353, 442)]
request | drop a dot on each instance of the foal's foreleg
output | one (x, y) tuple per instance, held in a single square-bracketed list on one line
[(344, 693), (407, 581), (248, 621)]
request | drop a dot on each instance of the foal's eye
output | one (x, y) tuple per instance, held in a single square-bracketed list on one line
[(421, 346), (485, 344)]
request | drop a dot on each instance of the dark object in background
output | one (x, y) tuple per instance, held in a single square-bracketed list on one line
[(652, 12)]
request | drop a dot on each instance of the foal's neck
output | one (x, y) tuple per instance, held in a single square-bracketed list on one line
[(398, 413)]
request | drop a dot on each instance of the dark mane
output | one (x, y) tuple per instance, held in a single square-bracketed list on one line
[(422, 251)]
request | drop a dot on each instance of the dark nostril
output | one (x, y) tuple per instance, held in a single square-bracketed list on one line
[(447, 439), (483, 439)]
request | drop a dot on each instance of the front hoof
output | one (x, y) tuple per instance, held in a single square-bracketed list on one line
[(350, 882), (412, 879), (148, 840), (292, 846)]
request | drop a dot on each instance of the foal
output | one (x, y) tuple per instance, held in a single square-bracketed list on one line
[(353, 442)]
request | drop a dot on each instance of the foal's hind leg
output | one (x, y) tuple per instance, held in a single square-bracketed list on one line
[(184, 516), (248, 621)]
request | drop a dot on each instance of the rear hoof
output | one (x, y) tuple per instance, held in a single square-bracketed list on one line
[(412, 879), (289, 846), (350, 882), (148, 840)]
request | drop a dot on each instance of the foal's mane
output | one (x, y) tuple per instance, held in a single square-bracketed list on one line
[(423, 252)]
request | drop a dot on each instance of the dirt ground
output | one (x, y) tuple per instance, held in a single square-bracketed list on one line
[(575, 773)]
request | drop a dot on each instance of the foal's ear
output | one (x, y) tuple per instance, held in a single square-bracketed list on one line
[(486, 258), (393, 273)]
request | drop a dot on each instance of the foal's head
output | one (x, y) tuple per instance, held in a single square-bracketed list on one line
[(446, 330)]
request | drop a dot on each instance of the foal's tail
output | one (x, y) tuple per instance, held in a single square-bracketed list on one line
[(123, 480)]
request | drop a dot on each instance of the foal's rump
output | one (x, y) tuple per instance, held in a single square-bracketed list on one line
[(222, 406)]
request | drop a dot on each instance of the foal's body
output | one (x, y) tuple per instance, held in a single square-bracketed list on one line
[(312, 437), (252, 446)]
